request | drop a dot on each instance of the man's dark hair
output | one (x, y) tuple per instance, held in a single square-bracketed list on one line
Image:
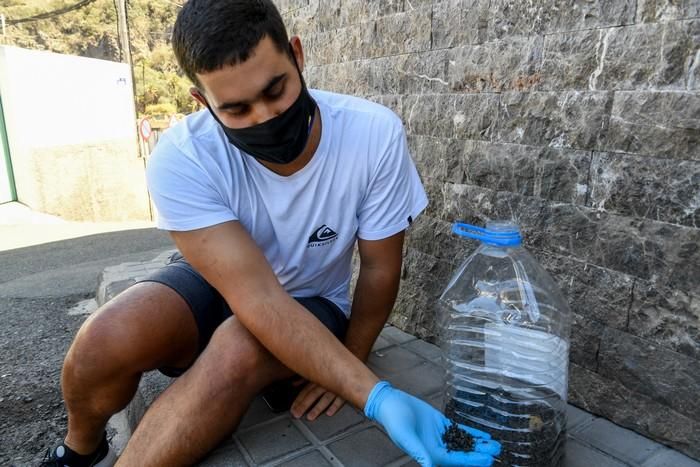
[(211, 34)]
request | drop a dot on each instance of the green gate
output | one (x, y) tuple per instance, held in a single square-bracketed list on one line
[(8, 191)]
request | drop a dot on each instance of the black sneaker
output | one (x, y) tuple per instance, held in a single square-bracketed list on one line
[(63, 456)]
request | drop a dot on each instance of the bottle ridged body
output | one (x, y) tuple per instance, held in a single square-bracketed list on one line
[(504, 335)]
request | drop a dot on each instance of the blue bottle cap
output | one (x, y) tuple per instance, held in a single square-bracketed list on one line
[(495, 233)]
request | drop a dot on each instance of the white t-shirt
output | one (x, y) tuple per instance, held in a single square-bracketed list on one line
[(361, 182)]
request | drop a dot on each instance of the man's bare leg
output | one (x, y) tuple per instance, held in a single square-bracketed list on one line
[(206, 403), (146, 327)]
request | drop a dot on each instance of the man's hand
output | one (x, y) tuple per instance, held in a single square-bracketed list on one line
[(324, 400), (417, 428)]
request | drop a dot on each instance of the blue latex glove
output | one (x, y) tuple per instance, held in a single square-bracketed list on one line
[(417, 428)]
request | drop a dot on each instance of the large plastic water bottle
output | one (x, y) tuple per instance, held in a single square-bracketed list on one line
[(504, 334)]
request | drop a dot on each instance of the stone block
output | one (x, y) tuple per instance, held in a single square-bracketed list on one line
[(503, 65), (570, 60), (628, 58), (667, 317), (353, 78), (612, 400), (666, 10), (393, 102), (467, 203), (620, 442), (434, 237), (402, 33), (459, 22), (670, 378), (301, 20), (473, 115), (273, 440), (438, 158), (513, 17), (355, 11), (679, 53), (434, 191), (571, 15), (667, 254), (552, 173), (396, 335), (660, 124), (567, 119), (382, 75), (377, 449), (328, 14), (646, 56), (287, 6), (422, 283), (525, 211), (585, 341), (660, 189), (423, 72), (593, 293), (673, 253), (461, 116), (318, 49), (421, 117)]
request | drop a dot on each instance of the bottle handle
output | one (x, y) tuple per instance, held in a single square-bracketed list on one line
[(511, 238)]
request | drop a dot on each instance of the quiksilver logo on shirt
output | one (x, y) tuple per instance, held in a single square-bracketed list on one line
[(322, 236)]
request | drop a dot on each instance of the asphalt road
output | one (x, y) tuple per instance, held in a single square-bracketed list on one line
[(38, 285)]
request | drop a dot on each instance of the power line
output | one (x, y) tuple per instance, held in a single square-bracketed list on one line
[(51, 14)]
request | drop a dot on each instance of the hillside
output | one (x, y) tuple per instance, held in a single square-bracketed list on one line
[(91, 31)]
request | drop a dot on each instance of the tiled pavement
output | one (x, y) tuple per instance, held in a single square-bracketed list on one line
[(348, 439)]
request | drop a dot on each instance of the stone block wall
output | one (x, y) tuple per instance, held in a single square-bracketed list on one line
[(581, 120)]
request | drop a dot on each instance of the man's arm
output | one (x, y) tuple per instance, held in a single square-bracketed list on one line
[(374, 297), (229, 260), (375, 292)]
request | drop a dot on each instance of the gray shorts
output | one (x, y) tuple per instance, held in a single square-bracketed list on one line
[(210, 309)]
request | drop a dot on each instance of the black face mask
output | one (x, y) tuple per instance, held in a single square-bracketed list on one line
[(281, 139)]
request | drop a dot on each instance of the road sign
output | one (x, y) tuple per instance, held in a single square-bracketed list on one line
[(145, 129)]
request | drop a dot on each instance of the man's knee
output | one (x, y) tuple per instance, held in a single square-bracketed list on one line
[(99, 348), (146, 327), (240, 359)]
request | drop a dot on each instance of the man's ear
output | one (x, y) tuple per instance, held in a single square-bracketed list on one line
[(298, 51), (197, 94)]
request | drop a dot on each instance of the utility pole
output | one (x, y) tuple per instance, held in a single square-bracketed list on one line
[(125, 46), (123, 28)]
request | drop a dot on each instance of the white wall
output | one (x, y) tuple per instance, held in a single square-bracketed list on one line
[(71, 126), (55, 100)]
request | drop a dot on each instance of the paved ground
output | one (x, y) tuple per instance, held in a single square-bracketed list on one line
[(348, 439), (17, 220), (39, 285)]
